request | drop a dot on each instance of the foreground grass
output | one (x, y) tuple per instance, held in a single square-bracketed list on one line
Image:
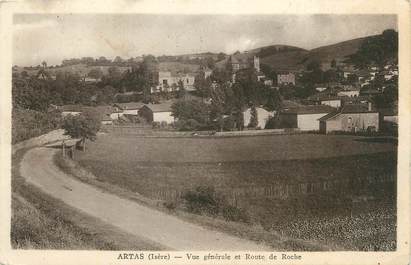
[(42, 222), (315, 221)]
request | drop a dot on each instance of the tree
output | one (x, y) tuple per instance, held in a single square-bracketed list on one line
[(217, 107), (191, 109), (181, 90), (95, 73), (84, 126), (333, 63), (118, 60), (254, 118), (376, 50)]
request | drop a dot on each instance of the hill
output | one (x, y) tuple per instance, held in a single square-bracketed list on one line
[(339, 51), (277, 56), (291, 58), (81, 69)]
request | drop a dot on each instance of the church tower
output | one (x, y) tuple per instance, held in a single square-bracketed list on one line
[(257, 63)]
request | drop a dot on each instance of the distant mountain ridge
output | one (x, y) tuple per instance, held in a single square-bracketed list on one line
[(291, 58)]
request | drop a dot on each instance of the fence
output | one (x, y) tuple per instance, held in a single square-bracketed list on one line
[(283, 191), (147, 131)]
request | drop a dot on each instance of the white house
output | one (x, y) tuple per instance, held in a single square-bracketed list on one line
[(160, 113), (320, 88), (130, 108), (349, 93), (332, 102), (262, 116), (70, 110), (304, 117)]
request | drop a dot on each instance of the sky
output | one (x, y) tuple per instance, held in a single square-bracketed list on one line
[(54, 37)]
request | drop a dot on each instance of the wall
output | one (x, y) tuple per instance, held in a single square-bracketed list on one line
[(130, 111), (393, 119), (351, 93), (333, 103), (309, 122), (116, 115), (359, 122), (163, 116), (286, 79), (333, 125)]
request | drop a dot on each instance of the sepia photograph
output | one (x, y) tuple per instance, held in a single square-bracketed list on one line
[(199, 132)]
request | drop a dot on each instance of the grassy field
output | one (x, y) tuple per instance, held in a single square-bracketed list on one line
[(242, 167)]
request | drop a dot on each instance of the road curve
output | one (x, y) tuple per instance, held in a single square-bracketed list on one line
[(38, 168)]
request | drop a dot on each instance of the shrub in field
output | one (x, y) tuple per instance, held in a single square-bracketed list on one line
[(232, 213), (202, 200)]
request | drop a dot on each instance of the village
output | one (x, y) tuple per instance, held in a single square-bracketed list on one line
[(346, 105), (271, 147)]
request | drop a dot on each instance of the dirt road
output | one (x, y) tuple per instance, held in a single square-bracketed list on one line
[(38, 168)]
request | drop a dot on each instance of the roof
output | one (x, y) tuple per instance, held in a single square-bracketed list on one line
[(308, 109), (349, 108), (177, 67), (162, 107), (129, 105), (71, 108), (106, 118), (289, 104), (240, 58)]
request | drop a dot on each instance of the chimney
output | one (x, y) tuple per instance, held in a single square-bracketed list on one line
[(369, 106)]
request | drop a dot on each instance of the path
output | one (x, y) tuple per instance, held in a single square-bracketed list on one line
[(39, 169)]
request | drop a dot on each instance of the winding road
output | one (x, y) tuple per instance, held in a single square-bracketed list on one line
[(38, 168)]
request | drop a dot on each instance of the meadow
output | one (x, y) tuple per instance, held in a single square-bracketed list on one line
[(328, 189)]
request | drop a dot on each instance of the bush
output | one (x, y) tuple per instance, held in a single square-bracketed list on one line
[(156, 125), (202, 201), (170, 206), (235, 214), (272, 123), (188, 125), (30, 123)]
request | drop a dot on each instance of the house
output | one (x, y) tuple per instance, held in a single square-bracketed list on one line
[(334, 102), (160, 113), (304, 117), (107, 120), (352, 92), (351, 118), (130, 108), (70, 110), (169, 81), (262, 116), (241, 61), (285, 78), (320, 88), (389, 115)]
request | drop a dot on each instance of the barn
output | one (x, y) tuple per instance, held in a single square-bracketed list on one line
[(351, 118), (160, 113), (304, 117)]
